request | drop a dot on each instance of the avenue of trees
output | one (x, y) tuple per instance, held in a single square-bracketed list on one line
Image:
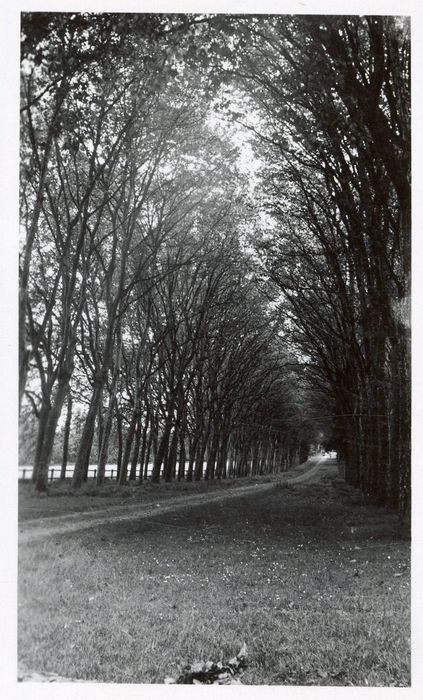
[(179, 309), (337, 146)]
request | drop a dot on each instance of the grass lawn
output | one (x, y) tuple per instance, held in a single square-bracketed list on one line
[(316, 583), (63, 499)]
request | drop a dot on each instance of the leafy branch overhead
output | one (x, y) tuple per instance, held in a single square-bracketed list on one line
[(215, 253)]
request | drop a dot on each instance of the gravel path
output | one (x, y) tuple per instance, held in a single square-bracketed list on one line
[(31, 530)]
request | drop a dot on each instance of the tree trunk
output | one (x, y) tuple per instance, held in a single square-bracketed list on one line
[(66, 439), (231, 467), (222, 457), (104, 449), (136, 451), (211, 459), (84, 451), (170, 461), (199, 460), (182, 456), (143, 446), (161, 453), (85, 445), (120, 440), (192, 448), (100, 427), (52, 419), (128, 447), (147, 455), (42, 421), (255, 456)]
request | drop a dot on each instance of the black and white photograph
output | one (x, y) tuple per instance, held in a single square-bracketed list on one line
[(213, 348)]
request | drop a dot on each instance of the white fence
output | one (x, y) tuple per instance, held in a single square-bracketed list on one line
[(25, 471)]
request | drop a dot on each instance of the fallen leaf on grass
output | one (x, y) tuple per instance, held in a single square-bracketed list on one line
[(321, 674), (210, 672), (337, 674)]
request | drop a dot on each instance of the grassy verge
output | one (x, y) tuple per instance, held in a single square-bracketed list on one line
[(63, 499), (316, 584)]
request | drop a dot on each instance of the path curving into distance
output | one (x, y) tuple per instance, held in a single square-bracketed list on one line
[(38, 528)]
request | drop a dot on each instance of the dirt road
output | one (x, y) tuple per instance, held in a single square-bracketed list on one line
[(31, 530)]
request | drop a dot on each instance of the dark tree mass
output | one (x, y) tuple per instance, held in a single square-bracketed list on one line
[(215, 257)]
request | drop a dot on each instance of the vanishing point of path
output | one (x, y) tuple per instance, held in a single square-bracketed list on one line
[(30, 530)]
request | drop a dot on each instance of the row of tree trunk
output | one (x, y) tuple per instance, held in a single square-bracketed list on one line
[(235, 454)]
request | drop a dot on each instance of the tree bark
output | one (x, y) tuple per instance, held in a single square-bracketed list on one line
[(161, 452), (104, 448), (42, 421), (170, 462), (199, 459), (66, 438), (120, 440), (123, 474), (182, 457), (52, 419), (136, 451), (85, 445), (144, 445)]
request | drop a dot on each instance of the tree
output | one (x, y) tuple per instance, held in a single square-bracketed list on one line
[(334, 91)]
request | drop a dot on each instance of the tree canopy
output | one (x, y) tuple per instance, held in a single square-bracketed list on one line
[(215, 259)]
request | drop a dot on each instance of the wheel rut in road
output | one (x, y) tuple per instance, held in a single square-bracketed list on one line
[(31, 530)]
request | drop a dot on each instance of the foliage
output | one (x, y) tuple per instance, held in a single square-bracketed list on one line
[(191, 309), (335, 137)]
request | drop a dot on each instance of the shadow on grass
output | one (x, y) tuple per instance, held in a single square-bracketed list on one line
[(315, 582)]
